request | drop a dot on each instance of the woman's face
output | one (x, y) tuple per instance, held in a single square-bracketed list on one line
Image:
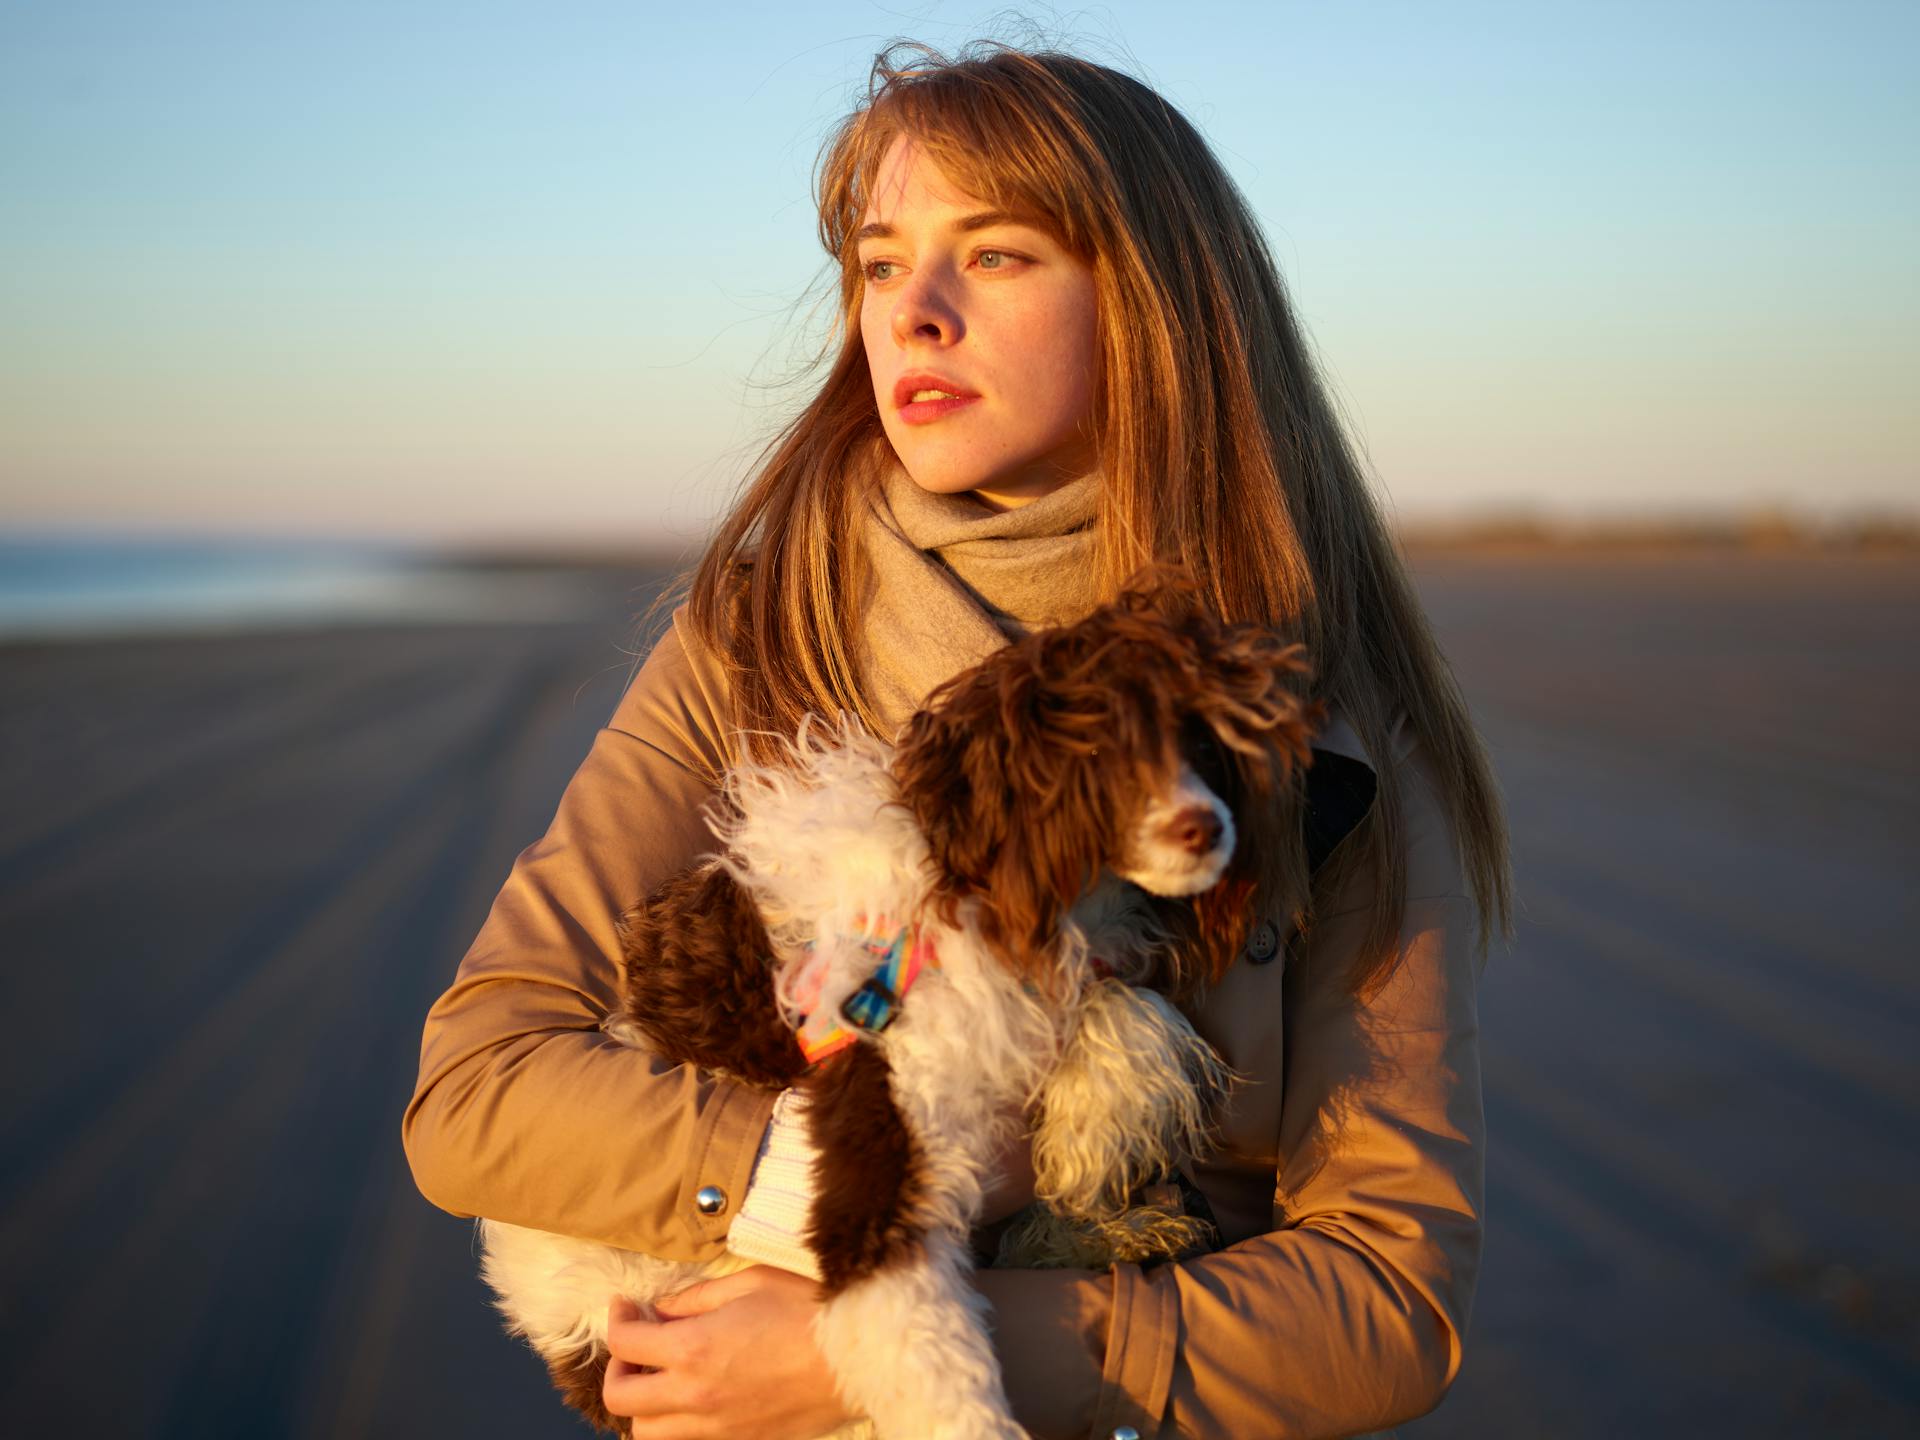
[(980, 333)]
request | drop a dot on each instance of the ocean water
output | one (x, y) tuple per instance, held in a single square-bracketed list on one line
[(74, 586)]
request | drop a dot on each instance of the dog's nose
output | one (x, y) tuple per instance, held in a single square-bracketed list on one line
[(1195, 830)]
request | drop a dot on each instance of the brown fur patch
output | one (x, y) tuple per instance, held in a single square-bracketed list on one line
[(579, 1379), (699, 980), (867, 1187)]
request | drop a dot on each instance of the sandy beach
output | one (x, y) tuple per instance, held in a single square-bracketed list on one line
[(235, 869)]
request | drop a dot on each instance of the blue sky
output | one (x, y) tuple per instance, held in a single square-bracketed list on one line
[(507, 270)]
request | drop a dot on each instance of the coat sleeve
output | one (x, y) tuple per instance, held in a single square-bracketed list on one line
[(520, 1094), (1350, 1315)]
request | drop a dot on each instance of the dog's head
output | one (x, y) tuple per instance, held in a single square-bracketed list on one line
[(1148, 739)]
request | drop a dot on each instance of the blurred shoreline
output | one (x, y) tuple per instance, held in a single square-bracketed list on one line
[(76, 587), (80, 589), (1763, 531)]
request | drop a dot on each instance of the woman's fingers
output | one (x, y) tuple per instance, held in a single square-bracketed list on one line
[(667, 1397), (660, 1395), (741, 1360), (704, 1295), (656, 1344)]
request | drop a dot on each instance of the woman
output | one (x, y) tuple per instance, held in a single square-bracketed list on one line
[(1066, 351)]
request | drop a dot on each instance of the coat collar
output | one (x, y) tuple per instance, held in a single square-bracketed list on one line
[(1340, 789)]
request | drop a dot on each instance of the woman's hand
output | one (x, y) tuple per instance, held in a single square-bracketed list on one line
[(730, 1357), (735, 1356)]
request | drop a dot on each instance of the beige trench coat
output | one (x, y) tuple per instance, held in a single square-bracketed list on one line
[(1348, 1183)]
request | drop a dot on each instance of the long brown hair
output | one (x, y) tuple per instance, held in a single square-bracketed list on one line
[(1218, 447)]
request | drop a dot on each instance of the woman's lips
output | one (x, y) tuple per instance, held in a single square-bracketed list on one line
[(941, 397), (925, 412)]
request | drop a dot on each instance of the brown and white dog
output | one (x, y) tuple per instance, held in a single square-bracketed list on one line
[(1067, 830)]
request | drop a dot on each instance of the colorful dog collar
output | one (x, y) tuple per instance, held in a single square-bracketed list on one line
[(872, 1007)]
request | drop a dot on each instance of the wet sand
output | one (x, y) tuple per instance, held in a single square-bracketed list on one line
[(234, 871), (1703, 1054)]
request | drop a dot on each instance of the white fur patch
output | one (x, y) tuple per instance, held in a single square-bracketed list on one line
[(910, 1349), (1132, 1098)]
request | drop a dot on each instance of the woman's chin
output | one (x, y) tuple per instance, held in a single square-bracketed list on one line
[(998, 490)]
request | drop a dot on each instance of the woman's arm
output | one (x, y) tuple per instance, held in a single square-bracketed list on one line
[(524, 1111), (1351, 1314)]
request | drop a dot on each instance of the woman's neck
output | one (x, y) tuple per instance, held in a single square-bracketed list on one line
[(1018, 491)]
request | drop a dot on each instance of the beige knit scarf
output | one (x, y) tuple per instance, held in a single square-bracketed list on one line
[(951, 581)]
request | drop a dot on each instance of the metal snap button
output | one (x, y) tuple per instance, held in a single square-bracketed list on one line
[(1263, 944), (710, 1199)]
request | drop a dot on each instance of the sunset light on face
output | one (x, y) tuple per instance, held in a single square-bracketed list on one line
[(981, 335)]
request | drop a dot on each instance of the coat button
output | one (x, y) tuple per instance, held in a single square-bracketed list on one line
[(1263, 944), (710, 1199), (1124, 1432)]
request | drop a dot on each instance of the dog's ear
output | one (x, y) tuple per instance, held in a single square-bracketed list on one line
[(1011, 816), (699, 980), (1066, 772), (1047, 861), (950, 764)]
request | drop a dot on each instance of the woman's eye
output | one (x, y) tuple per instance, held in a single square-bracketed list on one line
[(993, 259), (878, 269)]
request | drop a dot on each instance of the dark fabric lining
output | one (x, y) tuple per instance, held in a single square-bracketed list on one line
[(1339, 794)]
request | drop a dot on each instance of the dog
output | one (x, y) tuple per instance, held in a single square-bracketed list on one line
[(926, 940)]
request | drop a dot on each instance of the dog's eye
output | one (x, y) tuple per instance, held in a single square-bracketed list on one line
[(1204, 751)]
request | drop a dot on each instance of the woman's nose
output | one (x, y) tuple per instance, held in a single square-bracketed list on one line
[(924, 309)]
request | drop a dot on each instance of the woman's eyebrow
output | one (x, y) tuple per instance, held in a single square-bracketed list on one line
[(878, 230)]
